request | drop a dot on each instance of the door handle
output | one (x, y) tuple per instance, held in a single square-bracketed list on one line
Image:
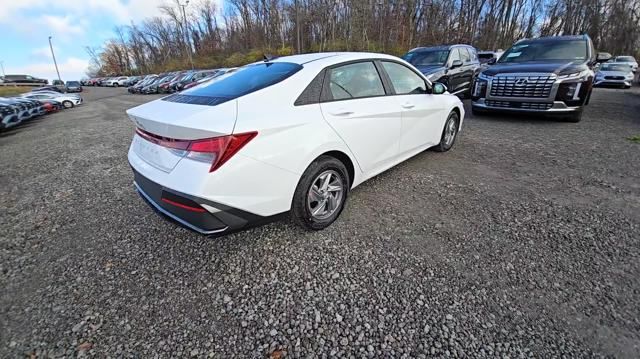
[(408, 105), (342, 113)]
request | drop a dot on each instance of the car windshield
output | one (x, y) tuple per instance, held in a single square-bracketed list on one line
[(615, 67), (625, 59), (246, 80), (567, 50), (73, 83), (427, 57)]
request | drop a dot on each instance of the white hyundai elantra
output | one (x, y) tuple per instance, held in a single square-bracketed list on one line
[(293, 134)]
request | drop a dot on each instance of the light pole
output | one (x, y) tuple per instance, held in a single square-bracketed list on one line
[(184, 28), (54, 59), (2, 66)]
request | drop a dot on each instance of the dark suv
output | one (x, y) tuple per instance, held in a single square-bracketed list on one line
[(548, 75), (456, 66)]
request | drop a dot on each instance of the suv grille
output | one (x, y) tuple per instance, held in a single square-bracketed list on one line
[(614, 77), (522, 86), (523, 105)]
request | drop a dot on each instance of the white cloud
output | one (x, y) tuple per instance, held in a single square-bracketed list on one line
[(72, 68), (63, 26), (44, 52)]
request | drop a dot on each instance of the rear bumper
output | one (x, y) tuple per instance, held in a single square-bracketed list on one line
[(198, 214)]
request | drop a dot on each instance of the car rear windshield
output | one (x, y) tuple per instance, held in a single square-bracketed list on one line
[(73, 83), (427, 57), (563, 50), (247, 79)]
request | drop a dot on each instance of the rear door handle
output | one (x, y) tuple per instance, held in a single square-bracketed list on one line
[(408, 105), (342, 113)]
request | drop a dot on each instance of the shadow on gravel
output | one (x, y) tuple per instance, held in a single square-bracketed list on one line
[(533, 119)]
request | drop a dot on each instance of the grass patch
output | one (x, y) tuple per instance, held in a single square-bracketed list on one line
[(13, 90), (634, 139)]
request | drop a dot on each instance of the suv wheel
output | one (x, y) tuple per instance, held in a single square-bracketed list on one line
[(321, 193)]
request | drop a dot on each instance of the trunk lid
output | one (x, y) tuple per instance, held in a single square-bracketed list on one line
[(177, 121)]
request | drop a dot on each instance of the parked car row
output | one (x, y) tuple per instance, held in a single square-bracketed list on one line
[(175, 81), (16, 110)]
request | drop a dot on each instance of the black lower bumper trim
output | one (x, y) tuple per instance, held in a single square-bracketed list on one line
[(225, 220)]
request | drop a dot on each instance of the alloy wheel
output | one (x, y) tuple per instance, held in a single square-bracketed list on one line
[(450, 131), (325, 195)]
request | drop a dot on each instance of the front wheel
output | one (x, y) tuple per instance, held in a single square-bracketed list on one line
[(115, 84), (67, 104), (449, 133), (321, 193)]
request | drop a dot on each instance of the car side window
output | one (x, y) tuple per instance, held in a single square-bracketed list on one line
[(464, 55), (474, 54), (454, 55), (404, 80), (355, 80)]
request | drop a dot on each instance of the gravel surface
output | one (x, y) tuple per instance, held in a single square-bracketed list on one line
[(524, 240)]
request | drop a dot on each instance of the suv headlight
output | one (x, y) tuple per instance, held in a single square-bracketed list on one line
[(580, 76), (482, 76)]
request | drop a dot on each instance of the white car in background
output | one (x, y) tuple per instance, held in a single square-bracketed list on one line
[(629, 60), (293, 134), (67, 100), (117, 81)]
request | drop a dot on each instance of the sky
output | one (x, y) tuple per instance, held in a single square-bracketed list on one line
[(25, 27)]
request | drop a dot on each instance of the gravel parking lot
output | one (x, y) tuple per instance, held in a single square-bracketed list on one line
[(524, 240)]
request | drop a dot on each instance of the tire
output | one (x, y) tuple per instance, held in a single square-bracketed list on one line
[(304, 203), (575, 117), (449, 133), (67, 104), (115, 84)]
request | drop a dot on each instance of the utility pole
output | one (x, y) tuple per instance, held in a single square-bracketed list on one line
[(54, 59), (2, 66), (184, 28), (297, 26)]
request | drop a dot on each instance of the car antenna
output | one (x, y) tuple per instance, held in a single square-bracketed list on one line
[(268, 57)]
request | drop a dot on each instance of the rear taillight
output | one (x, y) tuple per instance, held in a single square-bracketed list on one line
[(216, 151)]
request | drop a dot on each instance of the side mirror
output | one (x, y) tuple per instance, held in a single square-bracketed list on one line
[(456, 64), (492, 61), (439, 88), (603, 57)]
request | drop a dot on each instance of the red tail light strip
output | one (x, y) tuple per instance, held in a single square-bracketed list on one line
[(183, 206)]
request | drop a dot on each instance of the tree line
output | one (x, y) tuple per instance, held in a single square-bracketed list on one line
[(204, 36)]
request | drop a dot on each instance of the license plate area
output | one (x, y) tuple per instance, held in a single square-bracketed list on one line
[(162, 158)]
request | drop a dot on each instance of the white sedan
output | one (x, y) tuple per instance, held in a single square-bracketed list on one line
[(67, 100), (293, 134)]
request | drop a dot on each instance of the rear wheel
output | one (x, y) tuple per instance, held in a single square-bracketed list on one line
[(115, 84), (67, 104), (449, 133), (321, 193)]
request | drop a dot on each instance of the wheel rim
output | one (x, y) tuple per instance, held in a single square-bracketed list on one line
[(450, 131), (325, 195), (67, 104)]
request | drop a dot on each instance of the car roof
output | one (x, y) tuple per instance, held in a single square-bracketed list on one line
[(329, 58), (440, 47), (554, 38)]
